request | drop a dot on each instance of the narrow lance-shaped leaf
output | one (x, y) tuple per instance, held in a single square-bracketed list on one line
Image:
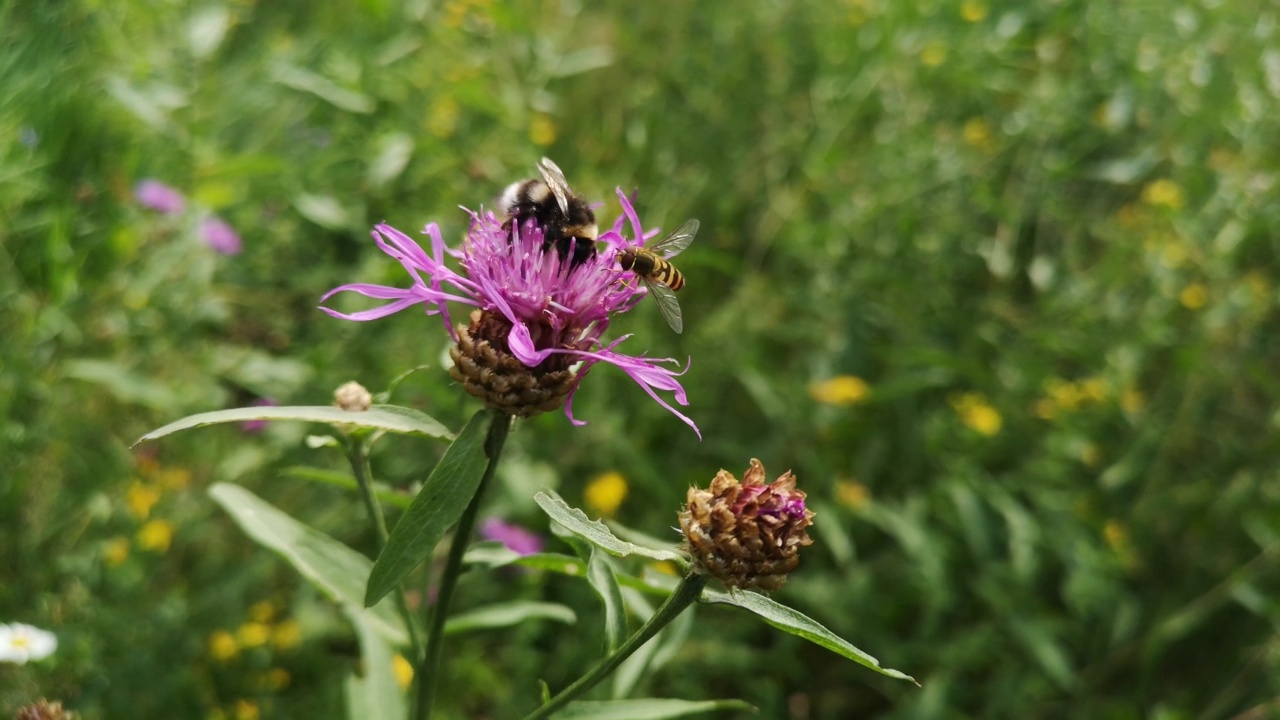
[(435, 509), (595, 532), (335, 569), (600, 575), (374, 693), (507, 615), (800, 625), (391, 418), (646, 709)]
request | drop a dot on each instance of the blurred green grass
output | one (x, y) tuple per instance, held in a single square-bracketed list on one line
[(1042, 235)]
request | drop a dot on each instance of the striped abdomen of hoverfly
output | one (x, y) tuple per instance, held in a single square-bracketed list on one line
[(652, 267)]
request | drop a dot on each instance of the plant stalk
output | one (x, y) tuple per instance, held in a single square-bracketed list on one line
[(429, 668), (358, 456), (689, 590)]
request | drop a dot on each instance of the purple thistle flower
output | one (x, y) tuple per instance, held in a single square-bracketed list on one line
[(514, 537), (160, 197), (535, 306), (218, 235)]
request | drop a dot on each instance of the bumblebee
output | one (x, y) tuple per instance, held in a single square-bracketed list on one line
[(652, 266), (566, 220)]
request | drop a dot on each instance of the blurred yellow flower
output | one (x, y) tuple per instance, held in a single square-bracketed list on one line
[(402, 670), (1131, 400), (841, 390), (933, 54), (1095, 389), (286, 635), (977, 133), (247, 710), (1129, 216), (222, 645), (262, 612), (605, 493), (1090, 455), (442, 117), (155, 535), (1115, 534), (115, 551), (174, 478), (1194, 296), (852, 494), (1258, 285), (1163, 193), (253, 634), (977, 413), (276, 679), (665, 567), (140, 499), (1173, 254), (542, 131), (973, 11)]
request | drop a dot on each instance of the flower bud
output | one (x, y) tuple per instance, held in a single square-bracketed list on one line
[(748, 534), (483, 363), (352, 397)]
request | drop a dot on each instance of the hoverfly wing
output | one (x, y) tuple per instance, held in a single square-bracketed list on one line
[(668, 305), (554, 178), (679, 239)]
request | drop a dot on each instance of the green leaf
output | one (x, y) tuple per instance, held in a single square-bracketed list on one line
[(647, 709), (376, 694), (390, 418), (391, 157), (653, 654), (493, 554), (600, 575), (335, 569), (508, 614), (800, 625), (325, 211), (384, 493), (595, 532), (322, 87), (434, 510)]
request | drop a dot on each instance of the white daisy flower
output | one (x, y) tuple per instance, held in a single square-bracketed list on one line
[(20, 643)]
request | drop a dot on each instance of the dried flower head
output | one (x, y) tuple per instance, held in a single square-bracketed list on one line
[(540, 319), (43, 710), (747, 534)]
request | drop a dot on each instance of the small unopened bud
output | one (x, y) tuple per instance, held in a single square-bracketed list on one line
[(748, 534), (484, 365), (352, 397), (43, 710)]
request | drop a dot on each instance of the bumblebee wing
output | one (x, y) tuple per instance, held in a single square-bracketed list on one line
[(668, 305), (555, 180), (679, 239)]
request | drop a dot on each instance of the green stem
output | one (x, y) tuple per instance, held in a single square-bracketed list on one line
[(689, 590), (429, 669), (358, 456)]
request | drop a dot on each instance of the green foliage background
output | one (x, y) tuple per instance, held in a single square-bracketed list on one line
[(1044, 235)]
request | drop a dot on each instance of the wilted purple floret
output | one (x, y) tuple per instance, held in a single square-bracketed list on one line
[(160, 197), (516, 538), (554, 307), (218, 235)]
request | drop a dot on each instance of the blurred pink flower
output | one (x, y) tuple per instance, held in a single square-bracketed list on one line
[(218, 235), (516, 538), (160, 197)]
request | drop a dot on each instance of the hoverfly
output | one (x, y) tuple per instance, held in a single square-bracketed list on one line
[(652, 266), (566, 219)]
